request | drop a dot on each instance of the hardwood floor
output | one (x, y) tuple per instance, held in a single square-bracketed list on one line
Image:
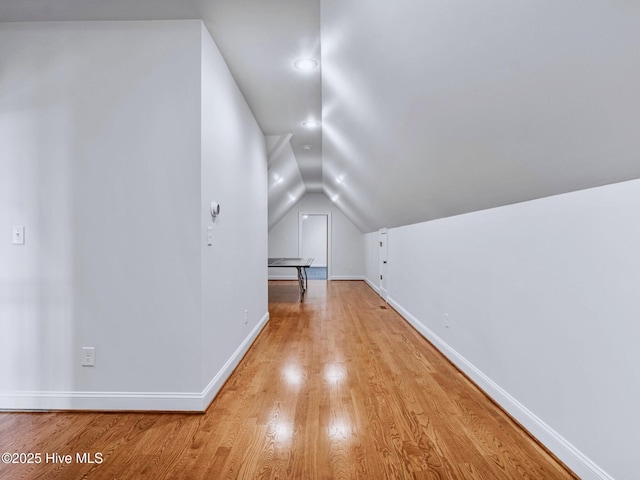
[(334, 387)]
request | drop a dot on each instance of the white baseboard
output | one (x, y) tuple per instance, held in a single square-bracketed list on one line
[(159, 401), (373, 286), (347, 277), (565, 451), (211, 390), (333, 277), (283, 277), (104, 401)]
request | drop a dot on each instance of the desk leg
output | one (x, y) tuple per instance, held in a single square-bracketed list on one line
[(305, 278), (302, 281)]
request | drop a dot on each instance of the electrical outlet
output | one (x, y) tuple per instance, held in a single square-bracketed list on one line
[(446, 320), (18, 234), (246, 316), (88, 356)]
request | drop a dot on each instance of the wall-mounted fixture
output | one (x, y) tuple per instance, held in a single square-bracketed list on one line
[(306, 147), (18, 234), (215, 209), (311, 123)]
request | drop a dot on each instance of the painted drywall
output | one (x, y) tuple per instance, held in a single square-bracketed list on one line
[(371, 260), (234, 174), (538, 303), (437, 108), (100, 146), (347, 258), (103, 160), (285, 181)]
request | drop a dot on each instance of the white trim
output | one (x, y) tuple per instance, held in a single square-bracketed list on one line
[(565, 451), (163, 401), (384, 294), (373, 286), (335, 277), (347, 277), (283, 277), (211, 390), (47, 400), (383, 258)]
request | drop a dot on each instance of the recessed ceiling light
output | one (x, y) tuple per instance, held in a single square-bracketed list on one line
[(305, 64), (311, 123), (306, 147)]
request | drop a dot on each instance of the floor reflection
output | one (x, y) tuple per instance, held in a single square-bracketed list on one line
[(293, 375), (335, 373)]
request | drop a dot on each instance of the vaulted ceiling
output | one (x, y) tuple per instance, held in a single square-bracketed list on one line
[(428, 108)]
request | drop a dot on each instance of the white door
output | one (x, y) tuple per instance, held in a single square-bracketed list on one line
[(314, 242), (314, 239), (384, 257)]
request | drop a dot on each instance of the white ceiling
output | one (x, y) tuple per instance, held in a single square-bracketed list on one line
[(260, 40), (429, 108), (440, 107)]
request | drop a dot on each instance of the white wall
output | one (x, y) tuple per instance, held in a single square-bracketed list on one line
[(347, 259), (538, 302), (101, 159), (234, 174), (284, 178), (371, 260)]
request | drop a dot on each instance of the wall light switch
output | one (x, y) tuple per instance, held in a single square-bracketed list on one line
[(88, 356), (209, 236), (18, 234)]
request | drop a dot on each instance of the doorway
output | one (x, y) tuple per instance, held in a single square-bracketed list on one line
[(384, 258), (314, 242)]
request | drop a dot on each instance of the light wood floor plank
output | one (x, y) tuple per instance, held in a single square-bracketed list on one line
[(338, 386)]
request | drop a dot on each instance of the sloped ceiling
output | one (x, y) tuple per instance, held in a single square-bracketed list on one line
[(429, 108), (260, 41), (286, 186), (441, 107)]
